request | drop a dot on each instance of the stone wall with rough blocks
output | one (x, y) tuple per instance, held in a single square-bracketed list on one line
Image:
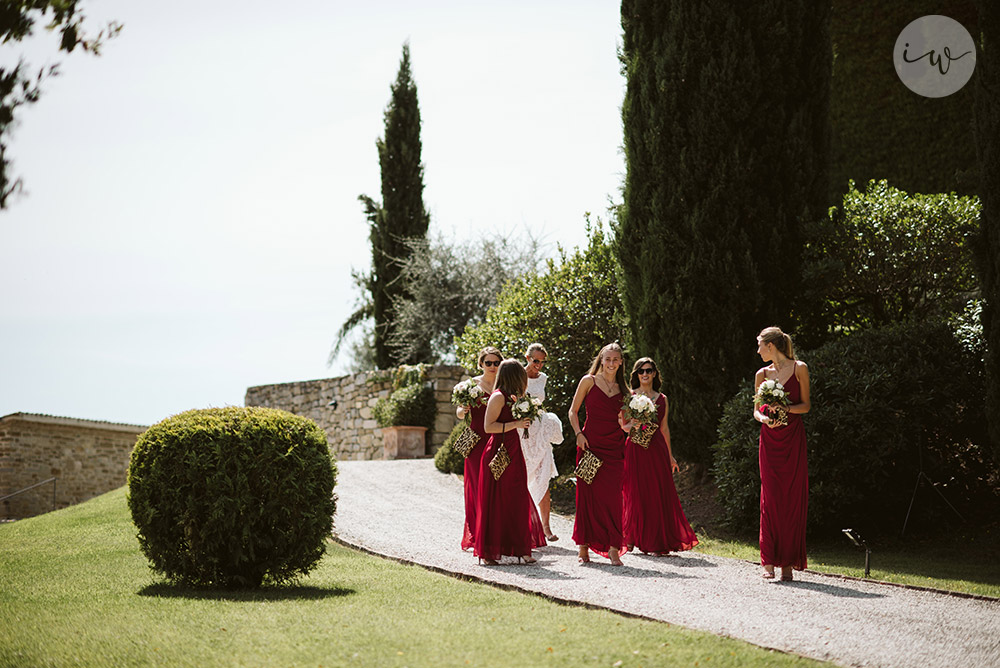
[(88, 457), (350, 427)]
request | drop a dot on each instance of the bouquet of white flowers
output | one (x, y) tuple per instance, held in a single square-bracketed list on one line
[(642, 411), (526, 407), (468, 393), (772, 400)]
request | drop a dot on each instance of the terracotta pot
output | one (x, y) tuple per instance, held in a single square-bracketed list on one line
[(403, 442)]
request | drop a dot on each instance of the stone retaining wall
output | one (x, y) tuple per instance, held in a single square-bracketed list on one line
[(88, 457), (350, 426)]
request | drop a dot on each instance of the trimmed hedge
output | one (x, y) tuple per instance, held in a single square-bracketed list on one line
[(883, 400), (446, 460), (411, 403), (232, 497)]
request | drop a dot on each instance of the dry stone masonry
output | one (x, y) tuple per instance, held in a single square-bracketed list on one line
[(343, 407)]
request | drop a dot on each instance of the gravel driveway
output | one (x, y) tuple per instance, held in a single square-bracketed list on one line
[(407, 510)]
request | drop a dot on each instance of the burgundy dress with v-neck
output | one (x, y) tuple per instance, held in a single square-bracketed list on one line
[(653, 519), (598, 521), (784, 489)]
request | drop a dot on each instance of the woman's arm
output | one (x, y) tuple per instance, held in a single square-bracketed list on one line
[(802, 375), (665, 430), (574, 410), (757, 415), (493, 408)]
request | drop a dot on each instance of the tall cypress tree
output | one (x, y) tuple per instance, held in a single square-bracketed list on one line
[(401, 214), (987, 131), (726, 145)]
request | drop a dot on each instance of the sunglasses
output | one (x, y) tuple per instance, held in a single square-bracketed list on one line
[(537, 362), (491, 363), (646, 370)]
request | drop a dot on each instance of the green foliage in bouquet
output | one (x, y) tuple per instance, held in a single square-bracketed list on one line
[(446, 460), (883, 401), (572, 308), (232, 497), (411, 403)]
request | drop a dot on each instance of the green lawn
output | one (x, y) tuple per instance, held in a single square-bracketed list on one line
[(75, 590), (964, 563)]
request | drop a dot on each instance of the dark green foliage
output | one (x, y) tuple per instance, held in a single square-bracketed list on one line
[(446, 460), (19, 86), (886, 256), (879, 128), (726, 152), (411, 403), (410, 406), (562, 492), (232, 497), (401, 214), (988, 150), (572, 308), (882, 400)]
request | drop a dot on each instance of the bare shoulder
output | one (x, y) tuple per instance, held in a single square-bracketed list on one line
[(801, 368)]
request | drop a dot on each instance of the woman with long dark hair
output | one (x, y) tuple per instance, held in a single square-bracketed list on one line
[(598, 524), (504, 514), (652, 516), (784, 475)]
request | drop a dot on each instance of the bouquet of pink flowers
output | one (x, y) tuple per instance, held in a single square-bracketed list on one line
[(641, 410), (772, 400), (526, 407)]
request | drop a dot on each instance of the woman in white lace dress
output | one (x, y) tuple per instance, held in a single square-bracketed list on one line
[(542, 433)]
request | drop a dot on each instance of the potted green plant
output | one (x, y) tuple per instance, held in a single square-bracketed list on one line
[(406, 414)]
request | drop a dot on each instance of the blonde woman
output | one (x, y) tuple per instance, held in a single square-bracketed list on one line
[(545, 431), (598, 524), (784, 475)]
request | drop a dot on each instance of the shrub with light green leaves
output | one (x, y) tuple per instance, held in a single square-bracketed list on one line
[(411, 403), (232, 497), (572, 308)]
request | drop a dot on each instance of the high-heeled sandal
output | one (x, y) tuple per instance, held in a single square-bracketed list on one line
[(488, 562), (526, 560), (786, 577), (552, 538)]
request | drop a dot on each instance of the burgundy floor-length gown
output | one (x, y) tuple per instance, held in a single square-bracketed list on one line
[(507, 521), (471, 476), (784, 489), (651, 510), (598, 521)]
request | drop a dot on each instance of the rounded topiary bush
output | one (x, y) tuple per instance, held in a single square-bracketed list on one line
[(232, 497), (885, 402), (412, 406), (446, 460)]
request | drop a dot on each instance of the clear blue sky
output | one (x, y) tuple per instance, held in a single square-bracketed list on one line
[(191, 216)]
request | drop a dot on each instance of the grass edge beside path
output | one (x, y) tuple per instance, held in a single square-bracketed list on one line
[(75, 589)]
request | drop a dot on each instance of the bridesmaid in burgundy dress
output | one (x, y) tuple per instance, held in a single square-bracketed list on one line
[(489, 362), (652, 516), (504, 514), (784, 477), (598, 524)]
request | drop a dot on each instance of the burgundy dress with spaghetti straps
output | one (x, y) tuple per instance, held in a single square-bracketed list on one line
[(652, 515), (598, 521), (471, 475), (784, 489), (504, 521)]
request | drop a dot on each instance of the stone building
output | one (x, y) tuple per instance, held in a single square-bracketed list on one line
[(86, 458)]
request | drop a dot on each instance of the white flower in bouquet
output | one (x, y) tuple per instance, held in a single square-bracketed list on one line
[(527, 407), (468, 393), (771, 400)]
